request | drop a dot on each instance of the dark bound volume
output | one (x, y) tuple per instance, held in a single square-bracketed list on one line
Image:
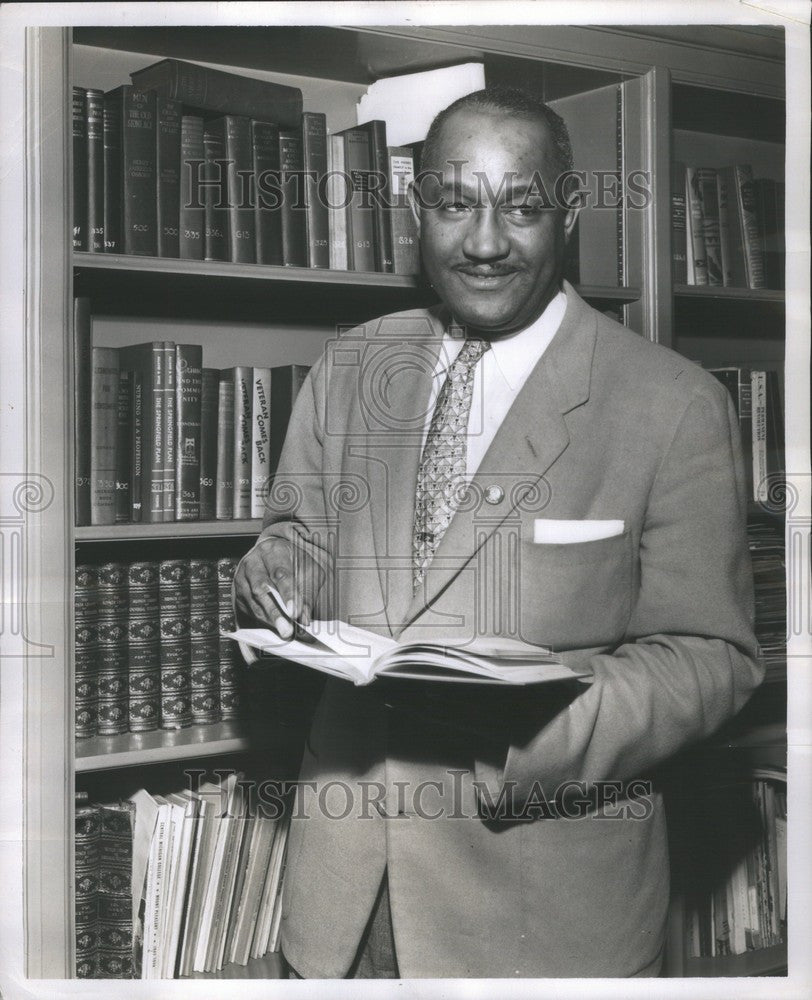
[(148, 360), (241, 229), (95, 170), (771, 229), (679, 264), (260, 444), (113, 655), (286, 381), (405, 242), (192, 218), (361, 210), (228, 651), (123, 496), (215, 192), (314, 154), (710, 225), (103, 434), (79, 130), (174, 598), (204, 632), (294, 231), (268, 216), (81, 405), (216, 90), (143, 646), (167, 172), (87, 831), (241, 378), (380, 193), (169, 431), (111, 163), (224, 497), (115, 891), (135, 113), (86, 650), (137, 446), (188, 373), (210, 382)]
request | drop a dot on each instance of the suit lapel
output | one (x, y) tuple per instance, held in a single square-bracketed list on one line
[(531, 438)]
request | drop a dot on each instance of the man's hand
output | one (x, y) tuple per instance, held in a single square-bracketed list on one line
[(295, 575)]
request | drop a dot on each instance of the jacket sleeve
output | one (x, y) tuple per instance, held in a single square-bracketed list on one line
[(689, 658)]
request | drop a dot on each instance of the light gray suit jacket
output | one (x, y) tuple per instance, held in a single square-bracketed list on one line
[(608, 426)]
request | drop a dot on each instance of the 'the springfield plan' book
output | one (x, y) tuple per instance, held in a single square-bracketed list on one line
[(360, 656)]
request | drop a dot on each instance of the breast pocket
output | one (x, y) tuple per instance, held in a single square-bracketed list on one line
[(576, 594)]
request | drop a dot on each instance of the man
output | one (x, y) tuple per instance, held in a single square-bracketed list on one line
[(603, 517)]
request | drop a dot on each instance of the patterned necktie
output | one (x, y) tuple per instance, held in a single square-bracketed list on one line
[(442, 474)]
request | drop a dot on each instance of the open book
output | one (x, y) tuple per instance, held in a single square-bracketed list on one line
[(360, 656)]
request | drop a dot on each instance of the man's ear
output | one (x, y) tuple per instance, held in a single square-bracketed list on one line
[(570, 218), (413, 198)]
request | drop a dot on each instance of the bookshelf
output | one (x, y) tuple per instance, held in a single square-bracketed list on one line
[(278, 309)]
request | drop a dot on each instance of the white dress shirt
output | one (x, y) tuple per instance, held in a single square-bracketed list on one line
[(498, 378)]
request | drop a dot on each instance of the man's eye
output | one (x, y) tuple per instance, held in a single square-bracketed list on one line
[(455, 206), (523, 211)]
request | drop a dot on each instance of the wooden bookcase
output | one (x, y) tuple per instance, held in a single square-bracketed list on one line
[(280, 315)]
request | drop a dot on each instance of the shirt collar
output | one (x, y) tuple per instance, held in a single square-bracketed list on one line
[(514, 356)]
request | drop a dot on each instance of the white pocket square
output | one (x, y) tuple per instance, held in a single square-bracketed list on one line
[(550, 531)]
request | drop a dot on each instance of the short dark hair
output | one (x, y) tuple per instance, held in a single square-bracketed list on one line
[(506, 100)]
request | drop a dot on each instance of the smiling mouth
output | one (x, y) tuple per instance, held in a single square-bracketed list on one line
[(485, 279)]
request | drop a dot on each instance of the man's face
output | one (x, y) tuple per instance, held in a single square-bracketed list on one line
[(492, 251)]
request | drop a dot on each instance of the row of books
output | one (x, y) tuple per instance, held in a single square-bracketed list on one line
[(727, 227), (768, 556), (148, 649), (158, 437), (747, 907), (167, 885), (174, 166), (756, 397)]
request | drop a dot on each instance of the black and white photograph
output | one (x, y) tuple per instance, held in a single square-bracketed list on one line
[(405, 500)]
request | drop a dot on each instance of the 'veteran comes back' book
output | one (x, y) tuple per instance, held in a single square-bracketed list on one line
[(226, 93)]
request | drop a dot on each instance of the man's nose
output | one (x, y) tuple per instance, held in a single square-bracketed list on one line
[(484, 237)]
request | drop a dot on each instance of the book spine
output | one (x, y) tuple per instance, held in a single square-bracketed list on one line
[(209, 384), (225, 448), (86, 650), (123, 487), (758, 391), (243, 434), (725, 234), (137, 447), (404, 235), (745, 408), (727, 184), (228, 651), (138, 172), (217, 90), (113, 662), (260, 444), (203, 627), (143, 647), (87, 831), (380, 193), (192, 215), (771, 238), (176, 679), (241, 221), (95, 171), (103, 434), (710, 225), (775, 426), (267, 212), (361, 211), (679, 267), (286, 380), (82, 403), (80, 184), (215, 195), (696, 246), (115, 891), (314, 155), (188, 385), (294, 233), (748, 218), (337, 201), (113, 208), (169, 432), (167, 172)]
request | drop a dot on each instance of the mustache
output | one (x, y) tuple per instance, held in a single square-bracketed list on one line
[(485, 270)]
